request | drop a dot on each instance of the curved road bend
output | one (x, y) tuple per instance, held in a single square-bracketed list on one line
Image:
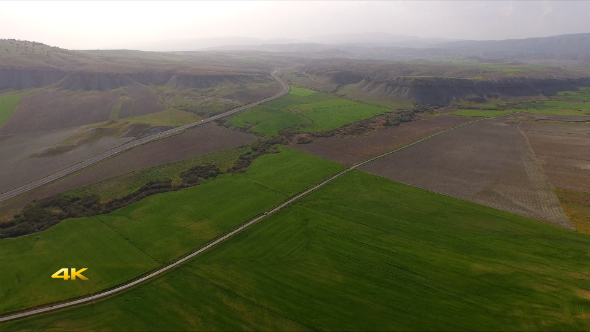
[(89, 299), (129, 145)]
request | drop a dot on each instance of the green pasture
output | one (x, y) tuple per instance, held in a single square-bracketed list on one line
[(114, 115), (562, 105), (29, 261), (268, 120), (558, 107), (127, 242), (364, 253), (311, 110), (489, 104), (559, 112), (331, 103), (8, 103), (328, 118), (275, 116), (582, 95), (170, 117), (301, 91)]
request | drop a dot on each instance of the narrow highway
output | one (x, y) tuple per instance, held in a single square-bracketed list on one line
[(129, 145), (89, 299)]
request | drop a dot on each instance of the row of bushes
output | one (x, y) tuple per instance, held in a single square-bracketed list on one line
[(402, 116), (44, 213)]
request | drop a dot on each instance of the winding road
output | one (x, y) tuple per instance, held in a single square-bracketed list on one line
[(130, 145), (107, 293)]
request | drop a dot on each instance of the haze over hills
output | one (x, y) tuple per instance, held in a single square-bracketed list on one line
[(572, 47), (377, 45), (578, 44), (364, 39), (377, 39)]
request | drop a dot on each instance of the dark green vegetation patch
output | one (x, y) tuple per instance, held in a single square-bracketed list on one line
[(364, 253), (8, 103), (563, 103), (308, 110)]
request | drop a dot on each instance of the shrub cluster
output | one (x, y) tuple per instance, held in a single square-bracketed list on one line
[(259, 148), (193, 176), (42, 214)]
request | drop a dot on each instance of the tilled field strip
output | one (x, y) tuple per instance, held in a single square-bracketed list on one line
[(107, 154), (545, 194), (151, 275)]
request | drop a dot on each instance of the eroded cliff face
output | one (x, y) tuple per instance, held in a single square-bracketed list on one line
[(89, 81), (441, 91), (208, 81), (26, 78)]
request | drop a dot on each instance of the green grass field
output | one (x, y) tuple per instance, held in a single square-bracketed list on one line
[(29, 261), (8, 103), (559, 112), (275, 116), (171, 117), (114, 115), (311, 110), (301, 92), (490, 104), (122, 185), (327, 118), (582, 95), (268, 120), (481, 113), (558, 107), (364, 253), (158, 229)]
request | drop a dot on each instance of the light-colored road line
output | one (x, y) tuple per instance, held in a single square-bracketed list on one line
[(129, 145), (154, 274)]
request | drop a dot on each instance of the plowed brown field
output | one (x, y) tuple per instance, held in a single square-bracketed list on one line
[(564, 152), (18, 168), (51, 110), (350, 150), (194, 142), (557, 117), (487, 162), (143, 101)]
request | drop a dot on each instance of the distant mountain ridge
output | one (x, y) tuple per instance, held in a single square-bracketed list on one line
[(571, 43), (557, 49)]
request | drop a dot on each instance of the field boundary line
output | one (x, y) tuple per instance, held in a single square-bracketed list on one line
[(559, 215), (127, 239), (246, 299), (150, 275), (132, 144)]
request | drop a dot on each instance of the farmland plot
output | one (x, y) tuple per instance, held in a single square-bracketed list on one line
[(194, 142), (350, 150), (564, 152), (488, 162), (364, 254)]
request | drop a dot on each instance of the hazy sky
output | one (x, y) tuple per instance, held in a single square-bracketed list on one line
[(92, 25)]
